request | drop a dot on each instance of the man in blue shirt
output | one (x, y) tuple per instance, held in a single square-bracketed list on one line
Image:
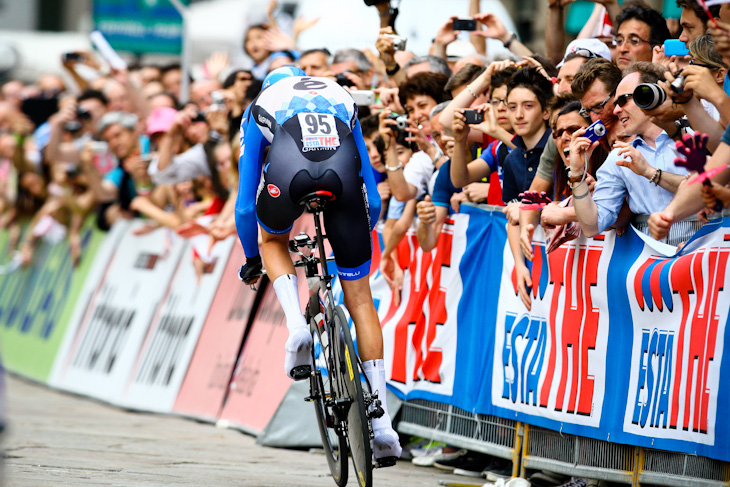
[(630, 168)]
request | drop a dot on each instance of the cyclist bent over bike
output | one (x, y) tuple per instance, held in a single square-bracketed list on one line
[(315, 144)]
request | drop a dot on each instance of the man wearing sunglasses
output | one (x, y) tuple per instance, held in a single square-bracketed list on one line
[(641, 171), (638, 29)]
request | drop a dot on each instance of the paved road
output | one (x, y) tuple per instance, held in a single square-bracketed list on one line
[(56, 439)]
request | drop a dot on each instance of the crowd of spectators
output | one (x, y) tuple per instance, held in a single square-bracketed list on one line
[(441, 129)]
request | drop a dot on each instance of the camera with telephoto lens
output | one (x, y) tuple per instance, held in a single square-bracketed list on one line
[(648, 96), (595, 131), (399, 42)]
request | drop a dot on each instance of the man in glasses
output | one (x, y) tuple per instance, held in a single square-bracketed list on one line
[(639, 30), (595, 85), (641, 171)]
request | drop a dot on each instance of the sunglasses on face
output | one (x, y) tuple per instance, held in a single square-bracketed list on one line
[(692, 62), (623, 99), (567, 130)]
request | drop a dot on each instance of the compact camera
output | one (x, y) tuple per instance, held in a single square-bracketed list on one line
[(401, 121), (595, 131), (343, 80), (465, 24), (218, 102), (473, 117), (399, 42)]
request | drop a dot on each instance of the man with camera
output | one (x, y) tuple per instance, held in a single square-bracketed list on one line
[(626, 174), (76, 122)]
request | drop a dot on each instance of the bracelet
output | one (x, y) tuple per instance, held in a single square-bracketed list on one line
[(391, 72), (509, 42), (471, 92), (653, 178), (581, 196), (395, 168), (439, 155), (659, 178)]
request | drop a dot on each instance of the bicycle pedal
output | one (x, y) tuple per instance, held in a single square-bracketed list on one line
[(384, 462), (301, 372)]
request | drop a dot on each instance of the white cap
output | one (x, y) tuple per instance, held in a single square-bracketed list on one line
[(459, 49), (596, 46)]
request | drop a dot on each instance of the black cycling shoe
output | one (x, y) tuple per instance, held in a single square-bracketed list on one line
[(384, 462), (301, 372)]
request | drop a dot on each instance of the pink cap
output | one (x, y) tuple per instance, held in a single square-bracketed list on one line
[(160, 120)]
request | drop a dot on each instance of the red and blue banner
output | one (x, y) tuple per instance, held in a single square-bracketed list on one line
[(622, 343)]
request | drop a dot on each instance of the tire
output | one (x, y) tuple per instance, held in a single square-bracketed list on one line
[(335, 445), (358, 430)]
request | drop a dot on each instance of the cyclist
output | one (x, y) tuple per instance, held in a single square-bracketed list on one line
[(315, 143)]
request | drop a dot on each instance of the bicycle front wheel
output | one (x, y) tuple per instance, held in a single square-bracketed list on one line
[(321, 390), (358, 430)]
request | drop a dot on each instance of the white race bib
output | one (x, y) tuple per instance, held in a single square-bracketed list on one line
[(319, 131)]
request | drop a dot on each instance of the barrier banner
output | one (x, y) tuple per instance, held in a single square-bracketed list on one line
[(259, 382), (206, 382), (36, 301), (623, 342), (154, 380), (122, 299), (418, 341)]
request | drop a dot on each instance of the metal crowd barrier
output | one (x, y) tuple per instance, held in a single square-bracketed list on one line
[(680, 232), (535, 448), (452, 425)]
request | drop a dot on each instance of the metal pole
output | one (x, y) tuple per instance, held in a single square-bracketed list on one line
[(185, 54)]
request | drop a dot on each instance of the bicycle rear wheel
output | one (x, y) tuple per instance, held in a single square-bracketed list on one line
[(321, 389), (358, 430)]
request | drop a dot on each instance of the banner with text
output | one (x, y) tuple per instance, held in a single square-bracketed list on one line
[(120, 300), (622, 342), (36, 300)]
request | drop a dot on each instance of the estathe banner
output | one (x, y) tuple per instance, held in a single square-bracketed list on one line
[(622, 343), (551, 361)]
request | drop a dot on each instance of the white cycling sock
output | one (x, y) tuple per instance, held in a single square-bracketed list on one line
[(385, 442), (299, 344), (288, 294)]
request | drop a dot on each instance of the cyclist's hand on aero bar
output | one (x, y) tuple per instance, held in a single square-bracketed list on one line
[(250, 272)]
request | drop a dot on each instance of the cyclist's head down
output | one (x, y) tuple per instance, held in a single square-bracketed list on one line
[(281, 73)]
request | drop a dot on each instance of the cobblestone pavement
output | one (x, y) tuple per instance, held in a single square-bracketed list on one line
[(57, 439)]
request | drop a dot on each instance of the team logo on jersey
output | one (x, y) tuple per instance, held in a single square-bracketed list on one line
[(273, 190)]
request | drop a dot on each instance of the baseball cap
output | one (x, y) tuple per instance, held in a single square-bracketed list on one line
[(459, 49), (595, 46), (160, 120)]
